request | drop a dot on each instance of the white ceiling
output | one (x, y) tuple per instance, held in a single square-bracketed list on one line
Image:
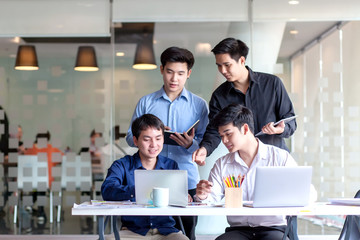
[(188, 22), (234, 10), (307, 32)]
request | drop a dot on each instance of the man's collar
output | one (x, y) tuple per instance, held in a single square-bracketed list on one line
[(159, 162), (236, 158), (185, 94), (262, 153), (161, 93), (137, 161), (252, 79)]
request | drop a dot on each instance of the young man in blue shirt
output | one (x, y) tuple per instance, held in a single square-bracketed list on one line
[(119, 185), (178, 109)]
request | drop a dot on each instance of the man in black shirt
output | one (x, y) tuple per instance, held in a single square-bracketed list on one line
[(263, 93), (4, 133)]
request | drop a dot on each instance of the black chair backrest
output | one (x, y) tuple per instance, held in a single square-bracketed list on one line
[(351, 228)]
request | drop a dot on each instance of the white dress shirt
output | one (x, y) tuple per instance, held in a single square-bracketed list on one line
[(232, 164)]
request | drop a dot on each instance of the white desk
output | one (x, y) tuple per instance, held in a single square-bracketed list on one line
[(319, 208)]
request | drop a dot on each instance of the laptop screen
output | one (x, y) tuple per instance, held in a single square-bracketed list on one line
[(282, 186), (175, 180)]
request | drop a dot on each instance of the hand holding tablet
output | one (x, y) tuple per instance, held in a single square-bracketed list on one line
[(275, 124)]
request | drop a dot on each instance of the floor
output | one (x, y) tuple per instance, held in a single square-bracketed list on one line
[(79, 228)]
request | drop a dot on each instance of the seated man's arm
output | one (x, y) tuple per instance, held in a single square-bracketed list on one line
[(113, 188), (213, 189)]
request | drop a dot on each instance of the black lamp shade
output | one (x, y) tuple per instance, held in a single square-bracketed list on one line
[(144, 55), (26, 58), (86, 59)]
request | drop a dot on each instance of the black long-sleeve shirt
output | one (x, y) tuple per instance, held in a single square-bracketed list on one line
[(268, 100), (4, 133)]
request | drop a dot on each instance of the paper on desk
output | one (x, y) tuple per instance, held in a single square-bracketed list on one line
[(197, 204), (345, 201), (275, 124), (119, 204), (99, 202), (89, 205)]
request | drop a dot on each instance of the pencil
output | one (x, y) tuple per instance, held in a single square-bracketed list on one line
[(232, 180), (242, 179), (229, 181), (226, 183)]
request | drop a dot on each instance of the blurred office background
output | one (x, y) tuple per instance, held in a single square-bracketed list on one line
[(311, 45)]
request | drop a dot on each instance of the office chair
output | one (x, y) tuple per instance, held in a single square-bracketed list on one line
[(351, 228), (291, 228), (32, 175)]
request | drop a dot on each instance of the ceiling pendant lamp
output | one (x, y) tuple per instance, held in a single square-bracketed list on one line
[(86, 59), (26, 58), (144, 55)]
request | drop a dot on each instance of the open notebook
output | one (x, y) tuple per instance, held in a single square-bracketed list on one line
[(175, 180), (282, 187)]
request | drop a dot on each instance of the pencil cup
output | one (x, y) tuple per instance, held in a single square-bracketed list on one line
[(233, 197)]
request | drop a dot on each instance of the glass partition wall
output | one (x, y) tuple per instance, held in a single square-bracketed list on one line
[(325, 85), (59, 116), (56, 98), (325, 91)]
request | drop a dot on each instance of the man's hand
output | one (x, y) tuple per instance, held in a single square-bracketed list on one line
[(184, 141), (203, 188), (199, 156), (270, 129), (190, 199)]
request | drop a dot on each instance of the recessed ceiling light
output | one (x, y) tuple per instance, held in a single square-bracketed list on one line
[(203, 48), (293, 2), (120, 54), (294, 32), (16, 40)]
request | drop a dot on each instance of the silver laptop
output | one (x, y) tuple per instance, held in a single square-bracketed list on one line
[(282, 186), (175, 180)]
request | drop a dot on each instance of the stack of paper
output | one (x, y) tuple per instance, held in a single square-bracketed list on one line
[(345, 201)]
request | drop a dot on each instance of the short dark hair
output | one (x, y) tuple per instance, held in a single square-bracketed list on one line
[(176, 54), (116, 132), (144, 122), (93, 133), (236, 114), (234, 47), (46, 135)]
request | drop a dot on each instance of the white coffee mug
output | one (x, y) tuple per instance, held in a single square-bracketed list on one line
[(160, 197)]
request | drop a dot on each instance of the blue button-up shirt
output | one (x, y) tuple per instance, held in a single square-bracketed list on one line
[(119, 185), (179, 115)]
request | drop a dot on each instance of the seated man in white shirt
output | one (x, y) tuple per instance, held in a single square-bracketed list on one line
[(236, 125)]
